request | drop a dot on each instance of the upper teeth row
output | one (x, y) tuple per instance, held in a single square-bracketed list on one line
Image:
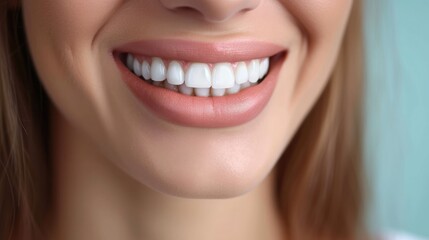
[(199, 75)]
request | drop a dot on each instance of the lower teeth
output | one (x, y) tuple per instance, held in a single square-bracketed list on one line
[(201, 92)]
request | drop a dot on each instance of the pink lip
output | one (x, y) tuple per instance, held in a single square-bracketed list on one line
[(211, 112)]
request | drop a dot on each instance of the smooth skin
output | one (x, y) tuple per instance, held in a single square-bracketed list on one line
[(122, 173)]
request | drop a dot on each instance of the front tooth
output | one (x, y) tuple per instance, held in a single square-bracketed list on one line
[(234, 89), (241, 73), (218, 92), (202, 92), (130, 61), (157, 70), (146, 70), (253, 71), (223, 76), (137, 68), (263, 68), (175, 73), (185, 89), (198, 76)]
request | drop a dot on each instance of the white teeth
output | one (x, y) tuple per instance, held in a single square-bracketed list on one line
[(253, 68), (185, 89), (157, 70), (202, 92), (241, 73), (130, 61), (218, 92), (146, 70), (244, 85), (200, 79), (175, 74), (198, 76), (263, 67), (137, 68), (223, 76), (234, 89)]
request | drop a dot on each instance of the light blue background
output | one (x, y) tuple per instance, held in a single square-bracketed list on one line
[(397, 115)]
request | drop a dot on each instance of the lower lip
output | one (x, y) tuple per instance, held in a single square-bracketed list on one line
[(205, 112)]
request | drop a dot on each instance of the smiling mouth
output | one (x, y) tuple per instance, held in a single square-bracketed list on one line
[(196, 78), (197, 84)]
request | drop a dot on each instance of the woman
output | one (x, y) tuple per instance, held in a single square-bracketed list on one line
[(180, 119)]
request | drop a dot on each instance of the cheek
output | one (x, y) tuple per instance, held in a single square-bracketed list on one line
[(320, 18), (69, 20), (322, 24), (61, 36)]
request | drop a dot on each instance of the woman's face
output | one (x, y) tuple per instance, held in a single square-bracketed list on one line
[(221, 142)]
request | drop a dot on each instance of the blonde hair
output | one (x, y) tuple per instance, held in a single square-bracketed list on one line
[(319, 175), (23, 140), (320, 180)]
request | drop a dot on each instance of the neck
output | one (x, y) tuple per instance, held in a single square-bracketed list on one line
[(93, 199)]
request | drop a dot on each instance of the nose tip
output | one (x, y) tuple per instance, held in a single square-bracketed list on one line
[(212, 10)]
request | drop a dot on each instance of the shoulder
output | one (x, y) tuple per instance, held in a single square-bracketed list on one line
[(399, 236)]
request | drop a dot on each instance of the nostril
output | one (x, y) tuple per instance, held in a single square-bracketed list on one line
[(211, 10), (212, 14), (186, 10)]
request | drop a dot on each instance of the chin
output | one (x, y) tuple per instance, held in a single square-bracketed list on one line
[(215, 176), (194, 185)]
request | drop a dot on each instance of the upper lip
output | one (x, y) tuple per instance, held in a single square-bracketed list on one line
[(207, 52)]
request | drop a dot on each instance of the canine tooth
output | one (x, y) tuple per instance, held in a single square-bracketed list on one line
[(218, 92), (185, 89), (175, 74), (253, 71), (234, 89), (263, 67), (223, 76), (137, 68), (202, 92), (198, 76), (157, 70), (171, 86), (130, 61), (241, 73), (146, 70)]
